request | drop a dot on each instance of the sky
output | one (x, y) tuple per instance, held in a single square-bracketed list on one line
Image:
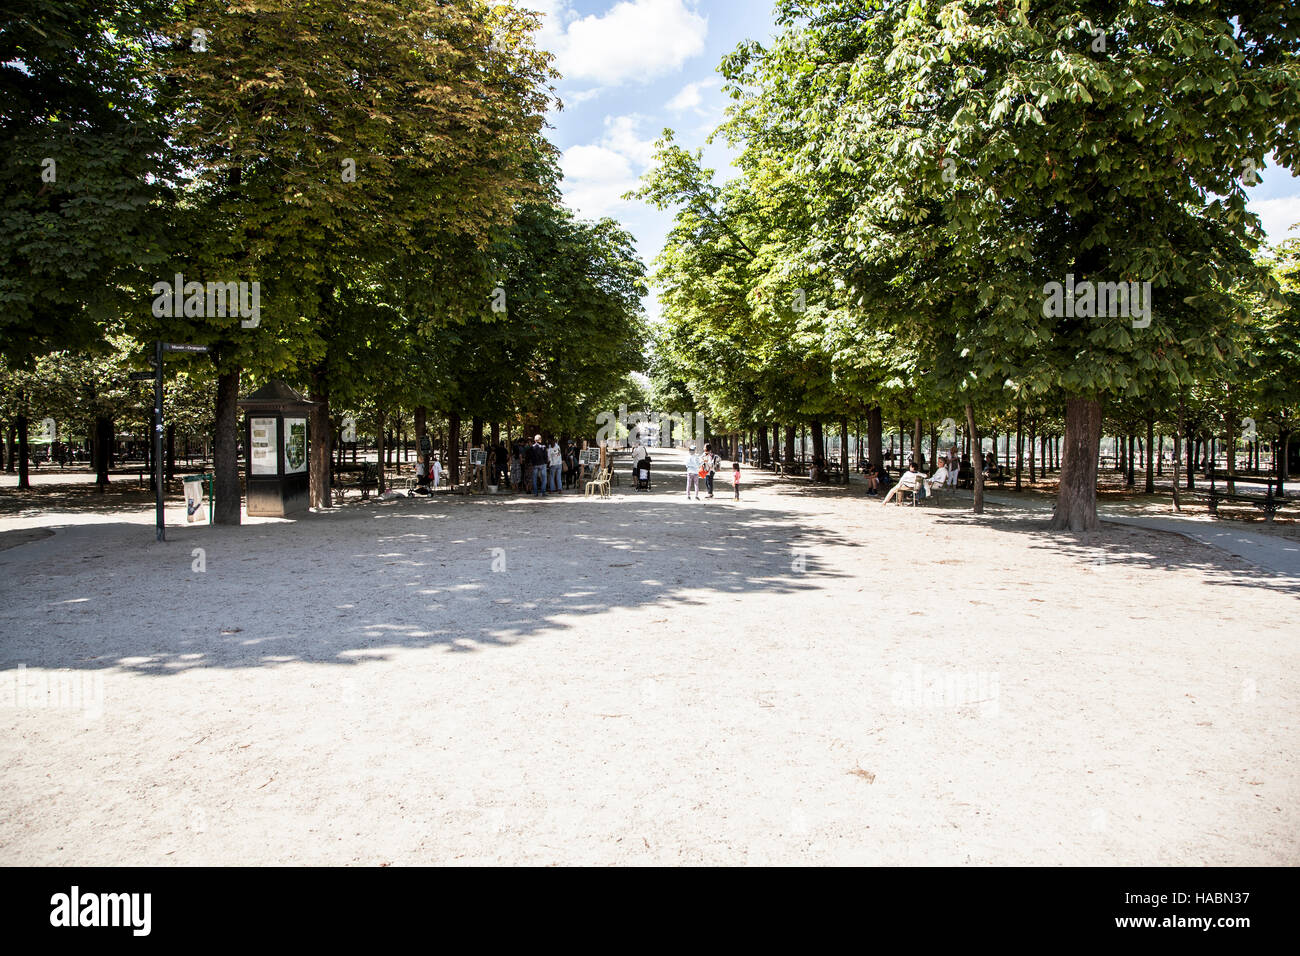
[(631, 68)]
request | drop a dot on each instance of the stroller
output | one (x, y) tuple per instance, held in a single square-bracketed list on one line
[(642, 472)]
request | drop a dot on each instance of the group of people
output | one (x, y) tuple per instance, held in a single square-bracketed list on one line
[(703, 468), (539, 467)]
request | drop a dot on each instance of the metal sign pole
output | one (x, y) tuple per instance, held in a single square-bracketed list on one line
[(158, 439)]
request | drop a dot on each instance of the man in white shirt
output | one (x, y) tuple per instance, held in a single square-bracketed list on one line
[(909, 482)]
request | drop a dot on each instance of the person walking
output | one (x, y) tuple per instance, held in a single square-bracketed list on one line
[(735, 478), (554, 464), (437, 473), (710, 464), (692, 473), (537, 459)]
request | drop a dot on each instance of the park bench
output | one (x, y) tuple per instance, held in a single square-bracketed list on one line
[(364, 477), (1270, 501)]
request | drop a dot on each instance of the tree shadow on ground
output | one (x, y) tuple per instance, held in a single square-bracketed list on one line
[(342, 587), (1122, 545), (123, 496)]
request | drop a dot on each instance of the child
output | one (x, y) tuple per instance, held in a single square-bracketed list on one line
[(735, 478), (437, 473)]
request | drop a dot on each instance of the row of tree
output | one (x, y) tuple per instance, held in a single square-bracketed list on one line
[(381, 173), (914, 177)]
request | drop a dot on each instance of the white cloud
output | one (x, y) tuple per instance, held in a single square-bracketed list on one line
[(1278, 216), (621, 136), (634, 39), (596, 175), (581, 96), (689, 98), (595, 164)]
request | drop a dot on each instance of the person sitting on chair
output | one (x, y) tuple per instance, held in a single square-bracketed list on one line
[(910, 481)]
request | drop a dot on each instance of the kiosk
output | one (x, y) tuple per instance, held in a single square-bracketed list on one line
[(275, 447)]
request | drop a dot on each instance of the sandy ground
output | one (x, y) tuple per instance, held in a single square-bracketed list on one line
[(803, 677)]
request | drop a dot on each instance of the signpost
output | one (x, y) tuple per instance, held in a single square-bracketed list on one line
[(160, 349)]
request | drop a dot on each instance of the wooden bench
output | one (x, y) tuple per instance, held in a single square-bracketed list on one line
[(1270, 501), (364, 477)]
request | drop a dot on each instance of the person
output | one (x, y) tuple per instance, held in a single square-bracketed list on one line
[(537, 459), (710, 465), (735, 479), (873, 479), (692, 473), (954, 466), (437, 473), (502, 464), (908, 482), (570, 464), (991, 470), (741, 451), (638, 455), (554, 462), (883, 478), (938, 480)]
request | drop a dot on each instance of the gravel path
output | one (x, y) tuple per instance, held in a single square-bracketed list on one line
[(803, 677)]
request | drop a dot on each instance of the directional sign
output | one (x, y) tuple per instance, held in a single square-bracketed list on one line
[(173, 347)]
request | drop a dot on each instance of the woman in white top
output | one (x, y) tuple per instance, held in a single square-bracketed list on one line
[(692, 474), (554, 466)]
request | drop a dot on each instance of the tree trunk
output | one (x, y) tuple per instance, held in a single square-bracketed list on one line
[(453, 450), (1076, 497), (1191, 461), (24, 480), (1129, 481), (10, 449), (844, 451), (1284, 462), (103, 450), (1151, 453), (421, 429), (1178, 454), (380, 488), (818, 452), (764, 453), (1020, 442), (976, 466), (1032, 458), (225, 455), (789, 445), (875, 436), (918, 456), (476, 432), (320, 431), (495, 432)]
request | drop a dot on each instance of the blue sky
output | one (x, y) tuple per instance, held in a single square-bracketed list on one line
[(630, 68)]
